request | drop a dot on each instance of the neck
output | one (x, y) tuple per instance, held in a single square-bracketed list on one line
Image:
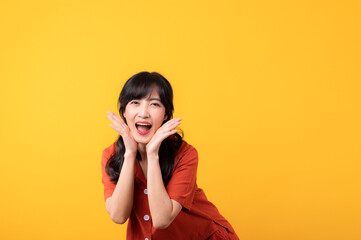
[(142, 151)]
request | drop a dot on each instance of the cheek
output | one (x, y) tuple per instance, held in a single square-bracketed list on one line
[(157, 126), (159, 122), (128, 113)]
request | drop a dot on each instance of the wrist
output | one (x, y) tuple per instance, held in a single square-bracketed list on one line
[(130, 155), (152, 156)]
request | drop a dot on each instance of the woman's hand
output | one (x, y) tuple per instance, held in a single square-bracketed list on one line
[(124, 131), (162, 133)]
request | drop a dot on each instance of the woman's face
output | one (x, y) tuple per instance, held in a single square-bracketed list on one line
[(144, 117)]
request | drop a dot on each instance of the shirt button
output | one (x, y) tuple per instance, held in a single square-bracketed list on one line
[(145, 191), (146, 217)]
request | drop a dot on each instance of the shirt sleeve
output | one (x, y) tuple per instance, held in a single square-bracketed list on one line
[(182, 185), (108, 185)]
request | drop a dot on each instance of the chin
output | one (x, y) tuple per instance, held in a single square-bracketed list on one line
[(145, 142), (142, 140)]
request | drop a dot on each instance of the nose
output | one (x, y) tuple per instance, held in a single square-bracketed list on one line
[(143, 111)]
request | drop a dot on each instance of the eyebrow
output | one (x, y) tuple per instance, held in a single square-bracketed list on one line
[(157, 99)]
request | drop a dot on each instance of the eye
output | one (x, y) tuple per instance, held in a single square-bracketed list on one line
[(156, 104), (134, 102)]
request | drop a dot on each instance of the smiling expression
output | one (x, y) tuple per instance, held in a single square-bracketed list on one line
[(144, 116)]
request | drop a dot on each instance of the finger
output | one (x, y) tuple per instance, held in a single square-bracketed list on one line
[(113, 120), (171, 126), (169, 133), (112, 114), (172, 122), (120, 120), (165, 134), (114, 127), (116, 119), (117, 129), (161, 136)]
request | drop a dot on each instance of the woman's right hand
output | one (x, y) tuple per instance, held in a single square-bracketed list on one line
[(124, 131)]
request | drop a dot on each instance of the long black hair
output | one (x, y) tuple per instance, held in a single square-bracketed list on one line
[(137, 87)]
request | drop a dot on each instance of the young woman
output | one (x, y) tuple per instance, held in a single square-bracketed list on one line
[(149, 173)]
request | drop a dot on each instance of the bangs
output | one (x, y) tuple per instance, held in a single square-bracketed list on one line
[(141, 87)]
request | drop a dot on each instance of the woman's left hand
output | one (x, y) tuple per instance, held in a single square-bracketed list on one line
[(162, 133)]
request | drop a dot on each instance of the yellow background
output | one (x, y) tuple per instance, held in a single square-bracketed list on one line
[(269, 93)]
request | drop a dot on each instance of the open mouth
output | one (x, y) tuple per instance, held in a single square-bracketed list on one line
[(143, 128)]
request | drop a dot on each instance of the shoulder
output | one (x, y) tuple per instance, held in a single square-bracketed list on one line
[(111, 148), (108, 152), (186, 153), (186, 148)]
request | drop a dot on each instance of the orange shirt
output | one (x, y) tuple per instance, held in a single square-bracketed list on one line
[(198, 219)]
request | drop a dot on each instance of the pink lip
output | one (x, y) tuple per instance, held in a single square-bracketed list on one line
[(144, 122), (143, 133)]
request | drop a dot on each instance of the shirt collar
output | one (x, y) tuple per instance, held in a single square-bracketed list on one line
[(139, 173)]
